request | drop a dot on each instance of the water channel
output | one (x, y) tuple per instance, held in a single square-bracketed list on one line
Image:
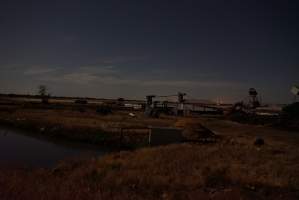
[(18, 148)]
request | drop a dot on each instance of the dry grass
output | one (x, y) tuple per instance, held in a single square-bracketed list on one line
[(87, 126), (69, 118), (171, 172), (231, 169)]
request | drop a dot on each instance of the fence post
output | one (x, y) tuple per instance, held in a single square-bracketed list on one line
[(149, 136), (121, 137)]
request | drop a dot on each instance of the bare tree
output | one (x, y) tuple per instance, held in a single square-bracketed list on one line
[(43, 93), (42, 90)]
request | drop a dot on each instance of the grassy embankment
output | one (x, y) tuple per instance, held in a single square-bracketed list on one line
[(229, 169), (85, 126)]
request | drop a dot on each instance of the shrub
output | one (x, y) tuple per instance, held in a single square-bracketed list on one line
[(292, 110)]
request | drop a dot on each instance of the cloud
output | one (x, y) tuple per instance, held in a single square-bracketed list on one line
[(81, 75), (113, 81), (185, 83), (100, 70), (85, 78), (109, 75), (80, 78), (38, 70), (93, 74), (27, 70)]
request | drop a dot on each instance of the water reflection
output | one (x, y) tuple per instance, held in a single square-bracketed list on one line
[(19, 149)]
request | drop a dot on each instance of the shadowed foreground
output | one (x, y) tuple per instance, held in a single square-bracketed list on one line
[(230, 169)]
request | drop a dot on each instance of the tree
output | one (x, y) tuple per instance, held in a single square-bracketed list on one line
[(43, 93), (42, 90)]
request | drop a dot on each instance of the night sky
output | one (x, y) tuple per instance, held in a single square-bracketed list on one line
[(107, 48)]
